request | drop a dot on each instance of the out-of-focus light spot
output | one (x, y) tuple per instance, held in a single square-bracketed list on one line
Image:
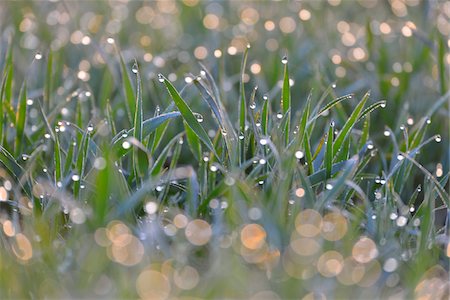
[(272, 45), (77, 216), (334, 226), (352, 272), (340, 72), (304, 14), (364, 250), (371, 275), (232, 50), (152, 284), (249, 16), (395, 81), (151, 207), (253, 236), (180, 221), (304, 246), (198, 232), (8, 228), (406, 31), (217, 53), (287, 25), (330, 264), (336, 59), (385, 28), (200, 52), (3, 194), (359, 54), (186, 278), (439, 170), (334, 2), (348, 39), (255, 68), (300, 192), (308, 223), (84, 76), (269, 25), (22, 248), (211, 21), (343, 27)]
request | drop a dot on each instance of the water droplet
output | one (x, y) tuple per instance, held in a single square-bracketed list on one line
[(213, 168), (400, 157), (248, 46), (126, 145), (370, 145), (265, 97), (241, 136), (299, 154), (262, 161), (383, 104), (90, 128), (332, 124), (263, 142), (387, 133), (261, 182), (257, 124), (30, 102), (412, 209), (75, 177), (160, 78), (382, 181), (410, 121), (402, 127), (181, 141), (134, 69), (374, 217), (284, 60), (202, 73), (38, 56), (44, 170), (329, 186), (252, 105), (393, 216), (291, 201), (206, 158), (199, 117), (333, 85), (377, 180), (159, 188), (438, 139), (224, 132), (47, 135), (110, 40)]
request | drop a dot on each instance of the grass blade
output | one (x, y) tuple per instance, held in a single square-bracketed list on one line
[(20, 120), (188, 116)]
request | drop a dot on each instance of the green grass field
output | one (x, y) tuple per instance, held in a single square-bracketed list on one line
[(224, 150)]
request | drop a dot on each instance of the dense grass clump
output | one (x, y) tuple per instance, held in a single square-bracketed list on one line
[(221, 183)]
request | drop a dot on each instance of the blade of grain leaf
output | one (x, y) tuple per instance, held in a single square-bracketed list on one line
[(329, 151), (242, 108), (21, 119), (127, 90), (343, 133), (189, 117), (286, 100)]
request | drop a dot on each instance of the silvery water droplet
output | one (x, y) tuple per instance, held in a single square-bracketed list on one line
[(284, 60), (134, 68), (252, 105), (38, 56), (438, 139), (160, 78)]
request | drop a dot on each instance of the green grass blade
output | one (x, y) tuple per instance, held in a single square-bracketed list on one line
[(329, 151), (345, 131), (286, 100), (193, 141), (21, 116), (48, 82), (242, 108), (127, 90), (189, 117)]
